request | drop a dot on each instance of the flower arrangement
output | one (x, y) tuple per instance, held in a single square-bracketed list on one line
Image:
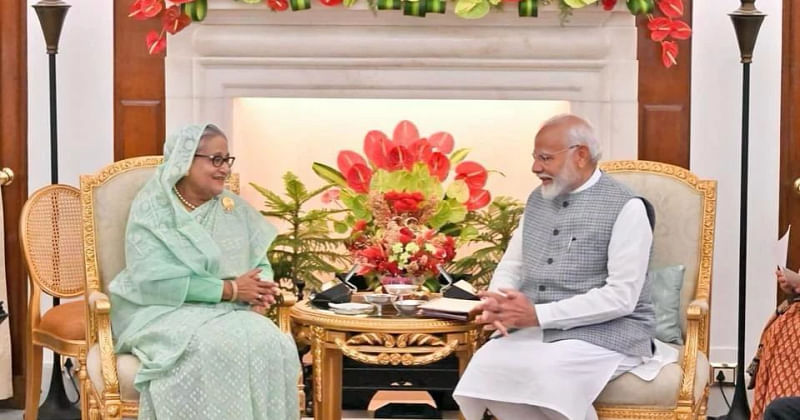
[(175, 15), (402, 220)]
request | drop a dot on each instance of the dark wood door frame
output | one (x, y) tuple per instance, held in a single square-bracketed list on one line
[(664, 99), (14, 155), (790, 129)]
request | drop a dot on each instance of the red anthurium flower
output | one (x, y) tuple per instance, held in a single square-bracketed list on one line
[(669, 53), (660, 28), (145, 9), (278, 5), (400, 158), (438, 166), (358, 178), (155, 42), (405, 133), (348, 158), (609, 4), (330, 196), (376, 147), (421, 150), (331, 2), (442, 142), (174, 20), (473, 173), (478, 199), (680, 30), (671, 8)]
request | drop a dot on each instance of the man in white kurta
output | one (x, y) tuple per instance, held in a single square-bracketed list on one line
[(536, 368)]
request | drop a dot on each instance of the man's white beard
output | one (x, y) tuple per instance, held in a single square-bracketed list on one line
[(560, 183)]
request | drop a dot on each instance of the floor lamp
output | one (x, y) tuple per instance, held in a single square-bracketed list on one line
[(51, 14), (746, 22)]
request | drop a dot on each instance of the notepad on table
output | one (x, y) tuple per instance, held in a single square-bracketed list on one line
[(448, 308)]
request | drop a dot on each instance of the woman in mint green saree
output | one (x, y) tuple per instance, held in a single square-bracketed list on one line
[(189, 302)]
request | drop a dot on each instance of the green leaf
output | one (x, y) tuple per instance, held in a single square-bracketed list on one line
[(340, 227), (457, 211), (459, 155), (459, 191), (349, 3), (441, 215), (294, 188), (329, 174), (472, 9), (358, 205)]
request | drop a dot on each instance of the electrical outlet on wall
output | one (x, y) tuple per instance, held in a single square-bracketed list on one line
[(723, 373)]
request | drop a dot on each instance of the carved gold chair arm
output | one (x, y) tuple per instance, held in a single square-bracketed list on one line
[(285, 302), (100, 312), (396, 358), (695, 316)]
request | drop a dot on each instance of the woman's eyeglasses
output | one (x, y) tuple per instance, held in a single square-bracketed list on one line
[(217, 160)]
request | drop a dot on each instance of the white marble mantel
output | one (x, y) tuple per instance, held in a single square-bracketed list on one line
[(247, 51)]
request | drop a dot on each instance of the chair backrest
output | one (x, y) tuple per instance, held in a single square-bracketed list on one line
[(107, 197), (50, 237), (685, 210)]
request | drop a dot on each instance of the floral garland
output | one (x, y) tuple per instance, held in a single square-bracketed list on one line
[(178, 14)]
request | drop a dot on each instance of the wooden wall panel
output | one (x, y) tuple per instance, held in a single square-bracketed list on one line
[(14, 155), (139, 110), (664, 99)]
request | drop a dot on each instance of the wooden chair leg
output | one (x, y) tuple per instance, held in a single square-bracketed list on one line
[(83, 377), (33, 380)]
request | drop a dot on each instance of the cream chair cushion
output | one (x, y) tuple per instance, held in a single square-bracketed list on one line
[(127, 366), (628, 389), (677, 237), (112, 204)]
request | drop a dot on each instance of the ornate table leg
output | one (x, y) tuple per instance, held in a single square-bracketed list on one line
[(327, 376)]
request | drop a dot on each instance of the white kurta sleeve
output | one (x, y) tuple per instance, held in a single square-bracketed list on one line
[(508, 273), (628, 257)]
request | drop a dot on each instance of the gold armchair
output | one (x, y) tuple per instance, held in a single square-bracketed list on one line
[(685, 215), (106, 199)]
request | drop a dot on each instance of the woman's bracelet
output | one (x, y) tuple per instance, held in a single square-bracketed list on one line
[(234, 290)]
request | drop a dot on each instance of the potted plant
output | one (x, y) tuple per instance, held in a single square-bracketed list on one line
[(304, 251), (494, 226)]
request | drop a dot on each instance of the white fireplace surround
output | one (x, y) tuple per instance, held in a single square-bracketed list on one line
[(247, 51)]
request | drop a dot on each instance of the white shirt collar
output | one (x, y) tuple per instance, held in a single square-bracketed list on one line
[(589, 182)]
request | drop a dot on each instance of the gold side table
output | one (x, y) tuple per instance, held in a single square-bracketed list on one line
[(386, 340)]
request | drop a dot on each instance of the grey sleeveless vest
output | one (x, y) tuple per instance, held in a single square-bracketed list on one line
[(565, 253)]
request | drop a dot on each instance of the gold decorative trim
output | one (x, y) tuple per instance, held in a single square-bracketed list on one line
[(317, 344), (384, 348)]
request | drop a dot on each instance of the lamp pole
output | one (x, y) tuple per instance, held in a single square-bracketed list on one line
[(51, 14), (746, 22)]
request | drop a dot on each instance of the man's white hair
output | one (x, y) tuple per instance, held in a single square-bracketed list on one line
[(580, 133)]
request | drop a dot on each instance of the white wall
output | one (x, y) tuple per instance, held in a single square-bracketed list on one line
[(716, 154), (85, 99)]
